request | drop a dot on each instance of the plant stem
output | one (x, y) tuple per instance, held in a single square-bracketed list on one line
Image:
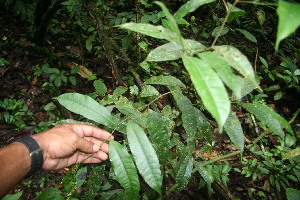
[(259, 3), (224, 21), (294, 116)]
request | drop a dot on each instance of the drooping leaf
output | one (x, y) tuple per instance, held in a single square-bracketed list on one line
[(188, 7), (165, 80), (172, 23), (248, 87), (124, 168), (292, 194), (235, 132), (234, 82), (144, 155), (172, 50), (158, 32), (185, 172), (148, 91), (203, 172), (289, 20), (210, 88), (189, 115), (248, 35), (87, 107), (237, 60), (159, 135), (266, 115)]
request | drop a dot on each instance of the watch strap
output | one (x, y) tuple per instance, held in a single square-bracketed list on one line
[(35, 152)]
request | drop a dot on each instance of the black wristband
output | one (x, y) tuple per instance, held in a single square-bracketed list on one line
[(36, 154)]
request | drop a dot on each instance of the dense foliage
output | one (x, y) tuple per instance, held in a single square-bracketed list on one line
[(198, 58)]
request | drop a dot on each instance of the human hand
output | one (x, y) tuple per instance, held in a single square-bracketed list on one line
[(72, 143)]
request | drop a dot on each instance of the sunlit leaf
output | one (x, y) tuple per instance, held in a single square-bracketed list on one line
[(159, 135), (165, 80), (185, 172), (87, 107), (267, 116), (234, 82), (188, 7), (210, 88), (293, 153), (235, 132), (158, 32), (237, 60), (289, 20), (148, 90), (19, 194), (124, 168), (100, 87), (145, 156), (248, 35), (173, 51)]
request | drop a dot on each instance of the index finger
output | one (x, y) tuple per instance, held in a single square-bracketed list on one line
[(84, 130)]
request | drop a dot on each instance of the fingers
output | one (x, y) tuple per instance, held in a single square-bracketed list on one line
[(84, 130), (96, 158)]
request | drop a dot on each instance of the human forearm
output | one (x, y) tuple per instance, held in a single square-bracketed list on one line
[(15, 163)]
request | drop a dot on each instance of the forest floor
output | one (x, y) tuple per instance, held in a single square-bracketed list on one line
[(18, 80)]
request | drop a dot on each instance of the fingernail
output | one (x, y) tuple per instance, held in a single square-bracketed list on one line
[(96, 148)]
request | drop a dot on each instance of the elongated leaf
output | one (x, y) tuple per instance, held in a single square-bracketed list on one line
[(210, 88), (165, 80), (148, 91), (248, 87), (185, 172), (203, 172), (289, 20), (266, 115), (234, 12), (248, 35), (237, 60), (87, 107), (15, 196), (172, 23), (159, 135), (189, 114), (204, 127), (172, 51), (158, 32), (292, 153), (145, 156), (235, 132), (49, 194), (124, 169), (188, 7), (94, 183), (234, 82), (292, 194)]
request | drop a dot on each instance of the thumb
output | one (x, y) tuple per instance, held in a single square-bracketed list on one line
[(86, 146)]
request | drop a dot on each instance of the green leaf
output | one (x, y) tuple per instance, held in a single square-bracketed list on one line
[(234, 82), (235, 132), (188, 7), (72, 80), (238, 61), (87, 107), (210, 88), (292, 194), (289, 20), (189, 115), (158, 32), (172, 23), (204, 127), (173, 51), (13, 196), (185, 172), (234, 13), (148, 91), (216, 30), (248, 35), (278, 96), (124, 168), (293, 153), (165, 80), (267, 116), (89, 44), (203, 172), (50, 194), (159, 135), (145, 156), (94, 183), (100, 87), (57, 81)]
